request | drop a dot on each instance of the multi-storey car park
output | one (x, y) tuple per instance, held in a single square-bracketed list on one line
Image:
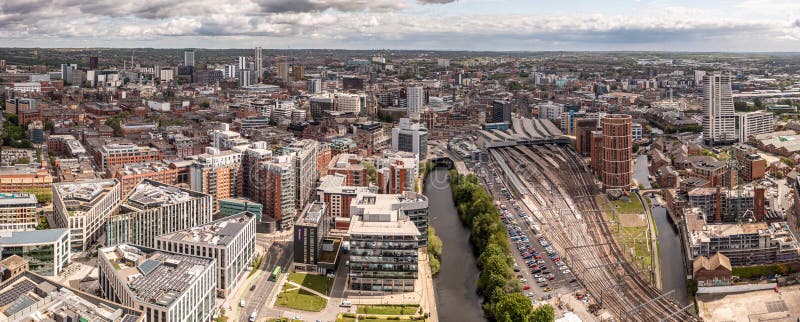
[(561, 194)]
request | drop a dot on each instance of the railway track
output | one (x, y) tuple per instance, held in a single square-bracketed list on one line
[(583, 237)]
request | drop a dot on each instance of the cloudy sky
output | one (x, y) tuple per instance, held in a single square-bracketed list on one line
[(676, 25)]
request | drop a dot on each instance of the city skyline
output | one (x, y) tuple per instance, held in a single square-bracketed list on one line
[(478, 25)]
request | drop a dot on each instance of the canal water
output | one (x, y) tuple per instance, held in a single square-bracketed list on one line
[(673, 276), (456, 282)]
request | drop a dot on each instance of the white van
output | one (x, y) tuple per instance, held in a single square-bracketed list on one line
[(346, 303), (241, 303), (253, 316)]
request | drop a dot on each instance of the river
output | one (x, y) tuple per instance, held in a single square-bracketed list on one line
[(673, 276), (456, 283)]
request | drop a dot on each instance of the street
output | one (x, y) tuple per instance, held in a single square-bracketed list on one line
[(279, 254)]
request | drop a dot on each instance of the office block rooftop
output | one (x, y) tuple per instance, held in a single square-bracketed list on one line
[(219, 232), (155, 276), (152, 194), (16, 199), (32, 297), (83, 195)]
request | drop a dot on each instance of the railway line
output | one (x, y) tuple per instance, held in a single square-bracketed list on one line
[(565, 196)]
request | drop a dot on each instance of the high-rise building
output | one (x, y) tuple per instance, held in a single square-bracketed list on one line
[(218, 173), (415, 97), (230, 240), (243, 77), (18, 211), (298, 73), (83, 207), (397, 172), (273, 185), (66, 71), (259, 65), (617, 159), (94, 62), (314, 85), (719, 117), (166, 74), (188, 58), (351, 167), (168, 286), (283, 71), (583, 135), (242, 63), (305, 168), (501, 111), (153, 209), (754, 123), (384, 247), (309, 230), (410, 137)]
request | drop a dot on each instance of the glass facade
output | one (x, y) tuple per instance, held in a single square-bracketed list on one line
[(383, 263)]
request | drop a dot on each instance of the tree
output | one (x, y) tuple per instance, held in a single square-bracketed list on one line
[(759, 105), (543, 313), (513, 307), (434, 243), (741, 106), (372, 172), (205, 104)]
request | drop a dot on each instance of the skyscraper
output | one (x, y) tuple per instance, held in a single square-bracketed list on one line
[(617, 159), (719, 118), (93, 62), (188, 58), (415, 98), (501, 111), (243, 62), (283, 71), (259, 64)]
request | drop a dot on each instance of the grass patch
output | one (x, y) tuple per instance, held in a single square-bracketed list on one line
[(318, 283), (746, 272), (372, 318), (300, 299), (388, 309), (634, 206)]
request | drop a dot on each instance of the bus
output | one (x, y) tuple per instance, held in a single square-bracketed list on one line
[(275, 273)]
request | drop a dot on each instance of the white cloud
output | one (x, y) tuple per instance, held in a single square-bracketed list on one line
[(385, 24)]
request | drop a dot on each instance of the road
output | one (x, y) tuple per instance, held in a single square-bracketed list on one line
[(279, 254)]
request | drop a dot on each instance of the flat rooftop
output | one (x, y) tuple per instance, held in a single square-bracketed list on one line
[(155, 276), (17, 199), (151, 194), (145, 167), (31, 295), (766, 305), (46, 236), (83, 195), (395, 227), (218, 232)]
